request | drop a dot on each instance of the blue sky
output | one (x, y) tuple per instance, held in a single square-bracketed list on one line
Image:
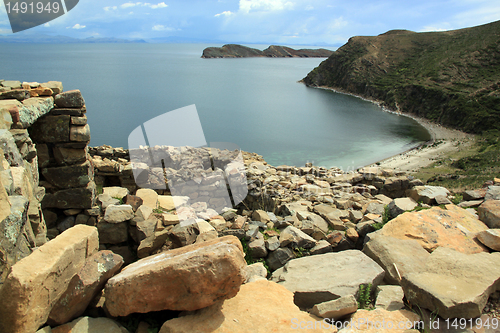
[(289, 22)]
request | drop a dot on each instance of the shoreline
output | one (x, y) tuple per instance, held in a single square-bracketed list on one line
[(443, 141)]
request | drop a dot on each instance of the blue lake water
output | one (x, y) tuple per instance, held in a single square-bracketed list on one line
[(255, 103)]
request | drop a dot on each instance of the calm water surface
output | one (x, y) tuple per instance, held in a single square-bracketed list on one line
[(256, 103)]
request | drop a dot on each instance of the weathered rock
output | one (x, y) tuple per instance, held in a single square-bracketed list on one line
[(295, 238), (106, 200), (490, 238), (9, 147), (188, 278), (322, 247), (318, 222), (272, 243), (168, 202), (258, 248), (55, 86), (337, 308), (34, 108), (69, 176), (133, 201), (427, 194), (82, 198), (489, 213), (260, 306), (112, 233), (454, 284), (261, 216), (400, 205), (69, 99), (472, 195), (390, 298), (37, 282), (84, 286), (79, 133), (91, 325), (146, 228), (148, 196), (118, 213), (50, 129), (279, 258), (374, 207), (452, 227), (346, 270), (382, 321), (396, 256), (355, 216), (493, 193), (255, 270), (184, 233), (116, 192)]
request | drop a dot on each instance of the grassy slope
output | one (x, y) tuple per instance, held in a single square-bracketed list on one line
[(449, 77)]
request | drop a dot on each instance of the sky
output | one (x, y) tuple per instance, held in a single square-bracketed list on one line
[(290, 22)]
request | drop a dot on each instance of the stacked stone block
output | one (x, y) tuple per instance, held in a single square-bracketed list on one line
[(61, 138), (22, 225)]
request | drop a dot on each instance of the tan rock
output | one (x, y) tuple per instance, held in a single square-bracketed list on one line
[(489, 213), (36, 283), (452, 227), (149, 197), (116, 191), (187, 278), (170, 219), (337, 308), (381, 321), (168, 202), (91, 325), (260, 215), (85, 285), (490, 238), (454, 284), (4, 200), (79, 133), (260, 307)]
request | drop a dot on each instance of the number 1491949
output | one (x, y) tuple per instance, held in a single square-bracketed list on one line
[(32, 7)]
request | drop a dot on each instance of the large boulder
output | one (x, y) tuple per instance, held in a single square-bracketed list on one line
[(489, 213), (36, 283), (85, 285), (187, 278), (396, 256), (454, 284), (452, 227), (427, 194), (325, 277), (261, 306)]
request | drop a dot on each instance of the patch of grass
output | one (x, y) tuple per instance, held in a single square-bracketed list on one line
[(158, 211), (386, 217), (301, 252), (457, 198), (120, 200), (364, 297)]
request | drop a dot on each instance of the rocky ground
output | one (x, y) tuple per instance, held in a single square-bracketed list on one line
[(306, 247)]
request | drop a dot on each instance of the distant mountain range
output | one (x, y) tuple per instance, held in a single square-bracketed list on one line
[(47, 39), (451, 77)]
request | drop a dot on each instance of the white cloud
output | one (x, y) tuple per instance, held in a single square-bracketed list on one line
[(108, 8), (77, 26), (130, 4), (431, 28), (160, 5), (224, 13), (46, 25), (143, 4), (247, 6), (160, 27), (309, 7)]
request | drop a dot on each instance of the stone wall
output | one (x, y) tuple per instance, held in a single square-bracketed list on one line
[(44, 164)]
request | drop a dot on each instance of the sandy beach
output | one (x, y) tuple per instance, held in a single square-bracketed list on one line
[(444, 142)]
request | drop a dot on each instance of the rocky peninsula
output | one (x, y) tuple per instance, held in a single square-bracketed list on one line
[(273, 51), (83, 249)]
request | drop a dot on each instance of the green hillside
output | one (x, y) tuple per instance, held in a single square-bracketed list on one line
[(450, 77)]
